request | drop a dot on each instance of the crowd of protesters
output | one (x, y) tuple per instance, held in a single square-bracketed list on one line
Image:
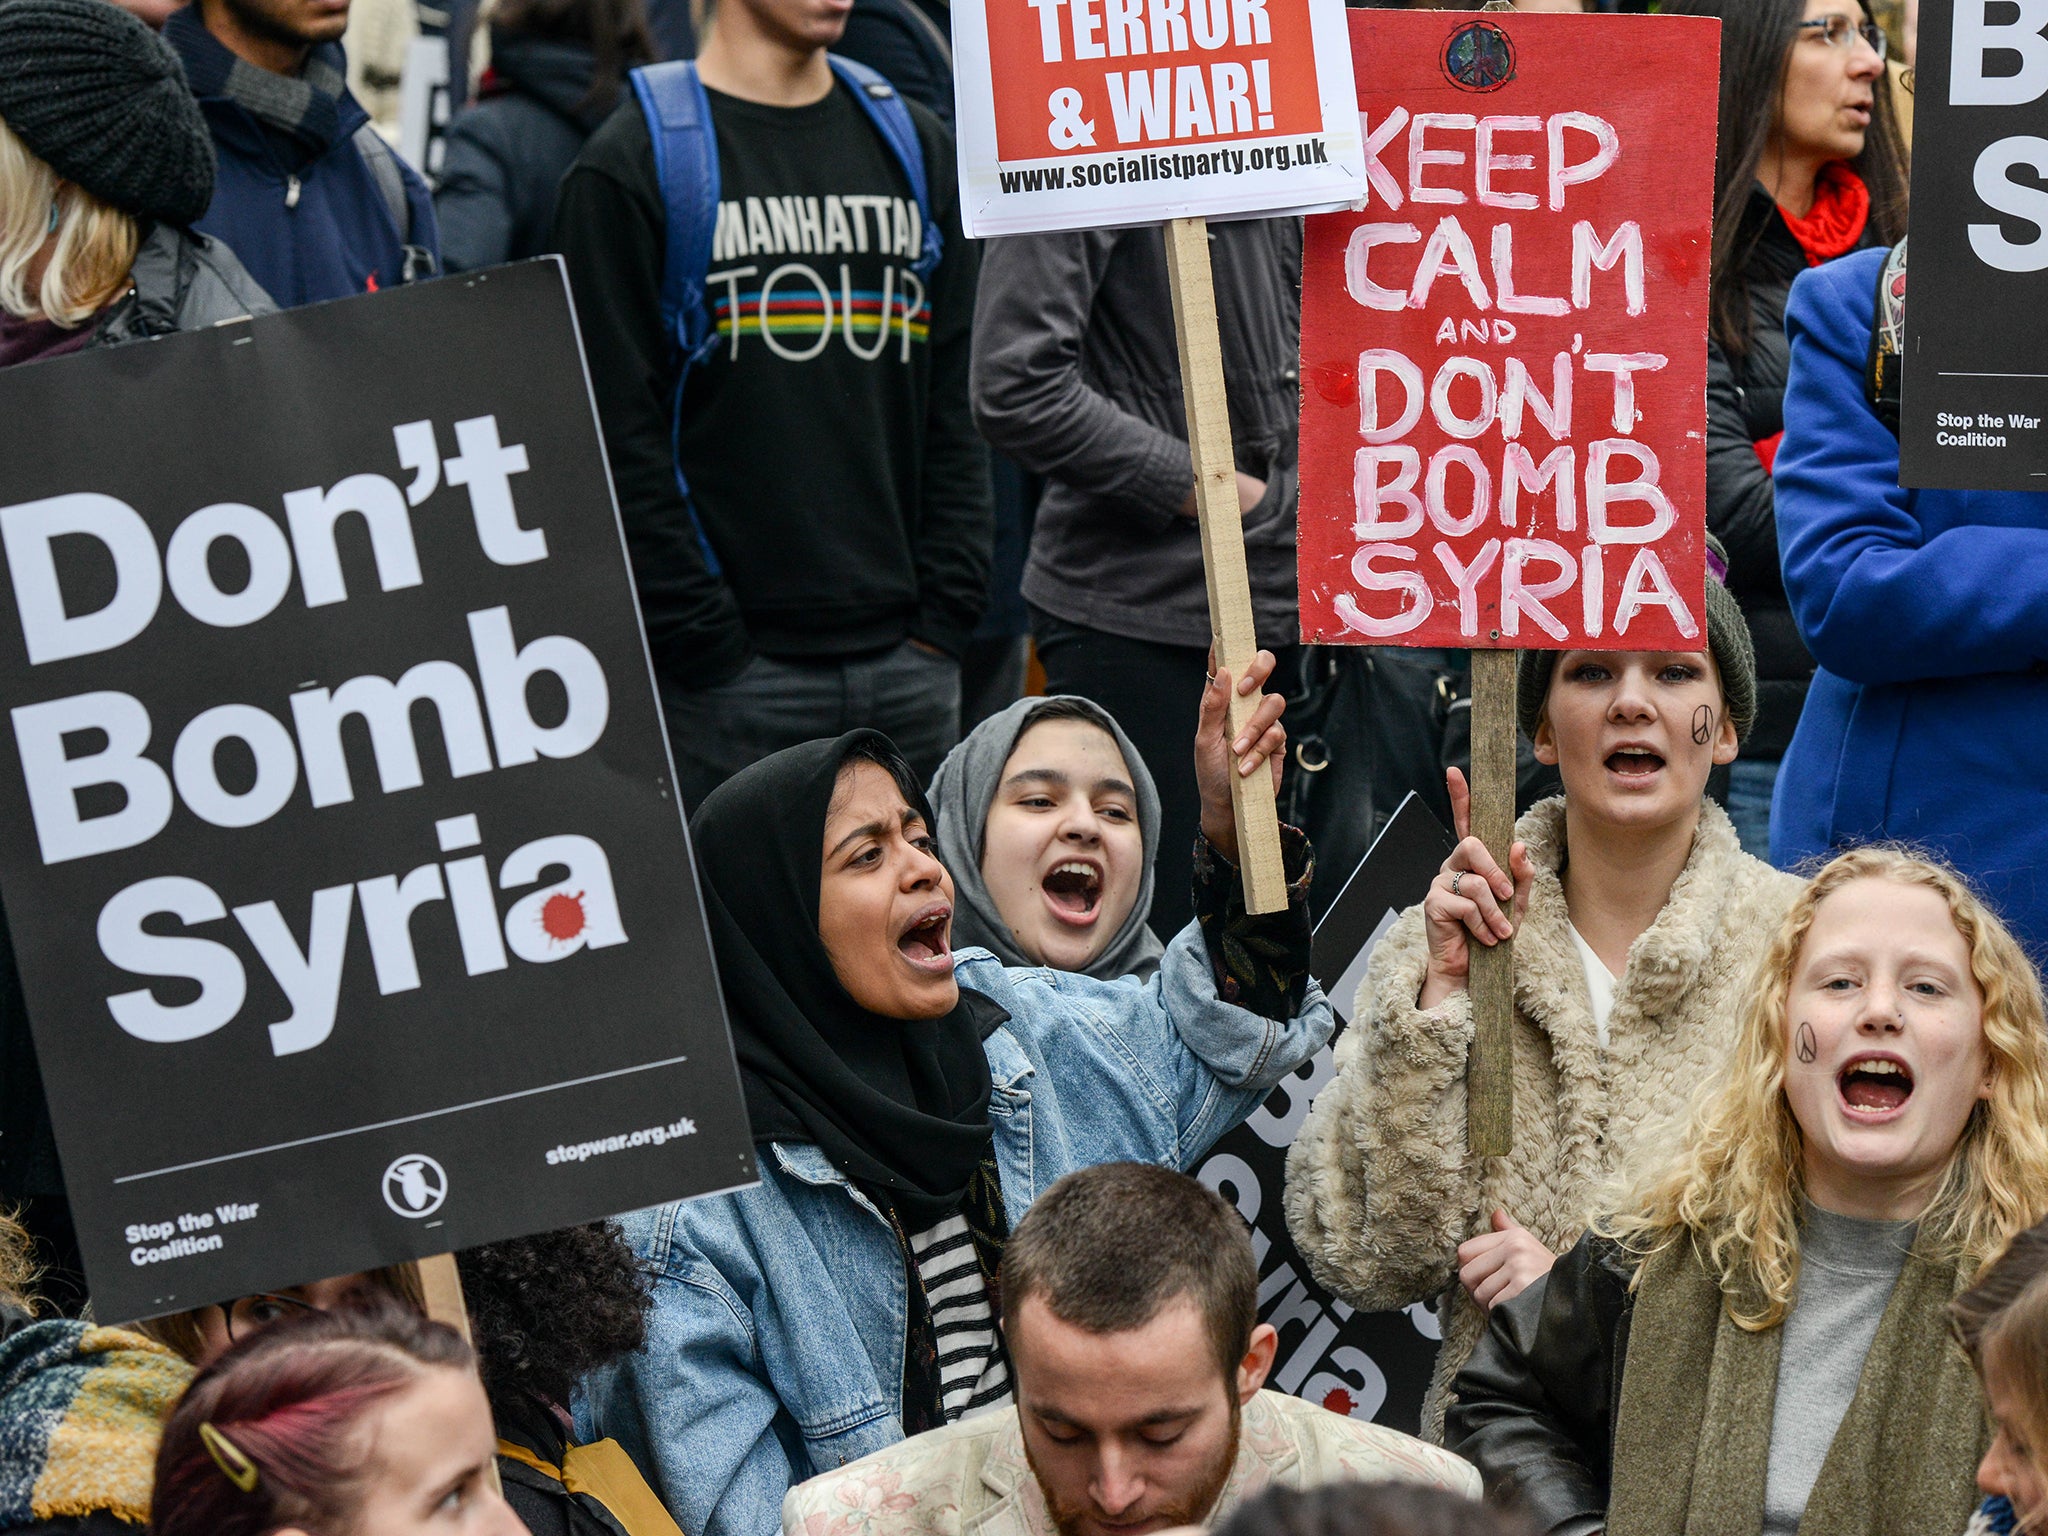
[(1770, 1253)]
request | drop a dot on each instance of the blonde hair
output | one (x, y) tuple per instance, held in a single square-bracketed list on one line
[(18, 1268), (96, 242), (1729, 1176)]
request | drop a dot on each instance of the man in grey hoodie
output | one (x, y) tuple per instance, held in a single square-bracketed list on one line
[(1076, 375)]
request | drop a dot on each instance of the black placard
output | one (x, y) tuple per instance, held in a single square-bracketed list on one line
[(1975, 382), (1370, 1365), (271, 524)]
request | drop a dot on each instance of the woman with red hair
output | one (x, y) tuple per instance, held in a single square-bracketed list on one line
[(331, 1423)]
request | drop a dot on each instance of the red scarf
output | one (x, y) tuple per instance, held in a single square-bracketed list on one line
[(1841, 209)]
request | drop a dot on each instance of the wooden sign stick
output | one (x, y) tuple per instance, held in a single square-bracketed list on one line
[(1230, 593), (1489, 1085), (441, 1285)]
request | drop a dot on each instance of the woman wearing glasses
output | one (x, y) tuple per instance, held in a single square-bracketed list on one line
[(1811, 166), (204, 1334)]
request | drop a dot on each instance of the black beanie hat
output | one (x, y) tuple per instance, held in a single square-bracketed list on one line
[(1728, 641), (102, 101)]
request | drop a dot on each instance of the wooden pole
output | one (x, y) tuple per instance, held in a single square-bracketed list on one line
[(1490, 1094), (1230, 594), (441, 1285)]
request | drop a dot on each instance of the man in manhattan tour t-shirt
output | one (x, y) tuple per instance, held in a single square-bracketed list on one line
[(830, 559)]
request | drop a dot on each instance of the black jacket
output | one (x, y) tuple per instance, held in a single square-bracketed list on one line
[(909, 43), (1746, 405), (1535, 1405), (182, 281), (542, 1504), (506, 154), (1077, 377), (909, 561)]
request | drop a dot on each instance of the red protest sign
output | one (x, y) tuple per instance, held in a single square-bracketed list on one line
[(1503, 354)]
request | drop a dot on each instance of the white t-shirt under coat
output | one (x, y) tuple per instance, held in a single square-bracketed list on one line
[(1600, 984)]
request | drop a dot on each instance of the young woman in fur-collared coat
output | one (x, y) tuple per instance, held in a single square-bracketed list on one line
[(1637, 920)]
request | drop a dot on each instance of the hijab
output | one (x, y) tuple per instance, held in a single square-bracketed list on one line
[(965, 787), (900, 1106)]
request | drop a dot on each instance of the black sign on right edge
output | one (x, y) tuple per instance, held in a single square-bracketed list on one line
[(1976, 341), (1368, 1365)]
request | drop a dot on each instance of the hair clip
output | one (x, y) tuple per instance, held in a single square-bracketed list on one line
[(229, 1457)]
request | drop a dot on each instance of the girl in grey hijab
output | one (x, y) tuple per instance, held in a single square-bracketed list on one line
[(967, 786)]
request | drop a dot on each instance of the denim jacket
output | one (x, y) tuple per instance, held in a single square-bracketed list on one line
[(775, 1346)]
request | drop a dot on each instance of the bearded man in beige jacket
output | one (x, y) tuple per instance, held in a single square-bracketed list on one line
[(1130, 1312)]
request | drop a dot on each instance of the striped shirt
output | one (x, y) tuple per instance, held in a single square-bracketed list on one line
[(974, 1376)]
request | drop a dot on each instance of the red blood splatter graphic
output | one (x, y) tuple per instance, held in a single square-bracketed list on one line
[(562, 917), (1337, 1400)]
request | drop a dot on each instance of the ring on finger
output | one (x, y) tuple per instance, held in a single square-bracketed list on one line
[(1455, 878)]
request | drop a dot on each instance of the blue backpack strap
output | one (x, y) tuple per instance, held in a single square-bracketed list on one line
[(686, 167), (884, 106)]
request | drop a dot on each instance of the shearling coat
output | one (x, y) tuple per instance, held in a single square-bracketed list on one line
[(971, 1477), (1380, 1188)]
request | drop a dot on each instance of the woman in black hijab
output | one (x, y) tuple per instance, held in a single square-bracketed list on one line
[(898, 1103), (906, 1109)]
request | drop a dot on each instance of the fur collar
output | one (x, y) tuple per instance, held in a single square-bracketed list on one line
[(1650, 997), (1663, 963)]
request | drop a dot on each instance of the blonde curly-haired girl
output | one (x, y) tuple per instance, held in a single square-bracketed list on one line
[(1756, 1338)]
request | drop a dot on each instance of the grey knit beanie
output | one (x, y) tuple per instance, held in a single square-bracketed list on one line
[(1728, 640), (102, 101)]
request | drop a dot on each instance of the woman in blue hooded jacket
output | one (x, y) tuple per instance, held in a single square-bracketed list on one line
[(1927, 611)]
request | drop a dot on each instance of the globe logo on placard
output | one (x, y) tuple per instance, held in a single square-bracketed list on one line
[(415, 1185), (1479, 57)]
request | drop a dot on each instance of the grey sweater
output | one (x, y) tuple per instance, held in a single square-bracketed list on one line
[(1076, 375), (1847, 1268)]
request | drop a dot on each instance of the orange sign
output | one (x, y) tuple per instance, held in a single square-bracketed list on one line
[(1085, 76), (1079, 114)]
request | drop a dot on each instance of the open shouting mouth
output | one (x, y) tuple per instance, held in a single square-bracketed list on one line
[(1874, 1087), (1073, 889), (926, 942), (1634, 761)]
